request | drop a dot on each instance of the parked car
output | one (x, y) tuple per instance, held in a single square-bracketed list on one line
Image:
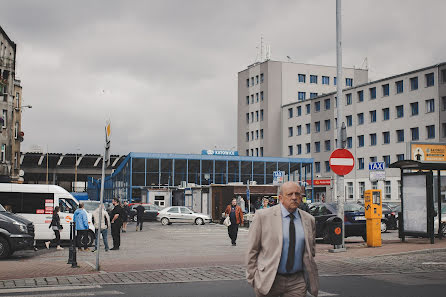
[(354, 219), (181, 214), (16, 233), (150, 211)]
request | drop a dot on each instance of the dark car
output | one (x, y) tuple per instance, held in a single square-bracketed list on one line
[(354, 219), (16, 233), (150, 211)]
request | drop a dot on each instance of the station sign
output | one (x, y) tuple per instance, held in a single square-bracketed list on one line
[(319, 182), (219, 153), (278, 177)]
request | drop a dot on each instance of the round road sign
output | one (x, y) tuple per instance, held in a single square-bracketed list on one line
[(341, 161)]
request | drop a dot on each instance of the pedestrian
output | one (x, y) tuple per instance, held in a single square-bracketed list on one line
[(105, 223), (116, 223), (81, 219), (265, 203), (57, 227), (236, 217), (125, 216), (281, 248), (139, 216)]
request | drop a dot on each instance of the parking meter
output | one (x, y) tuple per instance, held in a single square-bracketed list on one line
[(373, 215)]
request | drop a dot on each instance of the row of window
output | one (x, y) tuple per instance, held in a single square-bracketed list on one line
[(301, 96), (255, 80), (258, 133), (302, 78), (387, 193), (257, 96), (258, 116), (257, 152)]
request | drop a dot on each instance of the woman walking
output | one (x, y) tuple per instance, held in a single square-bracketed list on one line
[(236, 217), (56, 226)]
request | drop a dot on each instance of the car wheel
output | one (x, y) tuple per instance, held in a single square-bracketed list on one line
[(4, 248), (165, 221), (199, 221), (383, 227), (135, 218)]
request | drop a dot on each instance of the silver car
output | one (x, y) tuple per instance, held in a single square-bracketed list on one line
[(181, 214)]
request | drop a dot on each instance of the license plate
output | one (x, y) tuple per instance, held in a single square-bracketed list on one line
[(360, 218)]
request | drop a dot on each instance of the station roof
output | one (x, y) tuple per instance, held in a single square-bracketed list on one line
[(416, 165)]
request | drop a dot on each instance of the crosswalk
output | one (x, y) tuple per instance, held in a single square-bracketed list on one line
[(60, 291)]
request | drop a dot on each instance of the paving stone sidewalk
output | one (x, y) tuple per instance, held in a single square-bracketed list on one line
[(421, 261)]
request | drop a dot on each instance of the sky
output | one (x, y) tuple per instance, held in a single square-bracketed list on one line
[(165, 72)]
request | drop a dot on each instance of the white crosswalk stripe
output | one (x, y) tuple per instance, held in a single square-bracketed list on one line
[(74, 294)]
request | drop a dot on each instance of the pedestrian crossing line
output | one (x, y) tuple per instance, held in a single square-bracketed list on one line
[(74, 294), (325, 294), (58, 288)]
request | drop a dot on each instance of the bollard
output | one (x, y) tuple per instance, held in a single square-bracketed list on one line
[(70, 252), (73, 246)]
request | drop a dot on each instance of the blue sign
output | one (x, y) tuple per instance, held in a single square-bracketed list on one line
[(278, 174), (377, 166), (219, 153), (248, 194)]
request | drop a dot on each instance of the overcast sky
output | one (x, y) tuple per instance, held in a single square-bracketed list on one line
[(165, 72)]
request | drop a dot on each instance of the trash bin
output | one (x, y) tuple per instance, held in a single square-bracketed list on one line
[(334, 226)]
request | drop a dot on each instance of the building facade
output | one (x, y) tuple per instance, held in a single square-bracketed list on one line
[(381, 117), (10, 111), (263, 88)]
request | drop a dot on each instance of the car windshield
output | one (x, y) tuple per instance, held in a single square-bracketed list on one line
[(91, 205), (1, 208)]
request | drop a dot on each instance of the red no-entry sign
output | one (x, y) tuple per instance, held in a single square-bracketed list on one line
[(342, 161)]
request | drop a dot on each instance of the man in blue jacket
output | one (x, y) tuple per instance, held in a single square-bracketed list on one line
[(81, 220)]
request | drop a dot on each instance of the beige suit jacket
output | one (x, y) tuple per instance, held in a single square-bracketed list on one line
[(265, 242)]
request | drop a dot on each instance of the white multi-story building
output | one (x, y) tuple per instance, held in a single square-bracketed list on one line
[(263, 88), (382, 117)]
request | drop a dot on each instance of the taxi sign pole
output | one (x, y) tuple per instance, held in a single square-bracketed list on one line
[(105, 158)]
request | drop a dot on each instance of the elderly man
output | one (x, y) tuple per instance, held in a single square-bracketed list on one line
[(281, 248)]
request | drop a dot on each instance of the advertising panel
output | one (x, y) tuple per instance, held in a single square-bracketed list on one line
[(415, 207), (428, 152)]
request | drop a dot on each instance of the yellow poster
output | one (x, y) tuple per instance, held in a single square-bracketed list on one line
[(428, 152)]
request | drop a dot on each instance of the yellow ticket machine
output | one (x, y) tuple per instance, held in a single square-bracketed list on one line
[(373, 215)]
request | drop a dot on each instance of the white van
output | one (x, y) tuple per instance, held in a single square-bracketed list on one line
[(36, 203)]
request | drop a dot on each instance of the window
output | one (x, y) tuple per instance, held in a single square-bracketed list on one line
[(5, 118), (361, 189), (349, 120), (308, 145), (261, 115), (261, 81), (360, 140), (414, 133), (16, 130), (299, 149), (372, 93), (349, 142), (252, 81), (385, 90), (443, 103), (327, 166), (257, 151), (387, 190), (299, 111), (430, 79), (373, 159), (400, 157), (386, 137), (257, 115), (301, 77), (327, 103), (414, 108), (336, 101), (386, 160), (247, 117), (325, 80), (430, 107), (308, 107), (257, 134), (257, 97), (252, 117), (252, 152), (313, 95), (252, 135), (334, 80), (430, 131), (313, 79), (290, 131), (247, 136), (317, 106), (400, 135), (257, 79), (386, 114), (301, 96), (317, 167), (317, 127), (317, 146), (247, 82), (372, 116), (360, 118), (247, 100), (299, 130), (348, 98), (360, 163), (360, 96), (399, 111), (308, 127), (261, 96), (3, 154), (290, 150), (261, 133), (252, 98), (375, 185), (373, 139), (399, 87), (290, 113), (350, 190), (327, 125), (327, 145), (443, 75), (349, 82), (414, 83)]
